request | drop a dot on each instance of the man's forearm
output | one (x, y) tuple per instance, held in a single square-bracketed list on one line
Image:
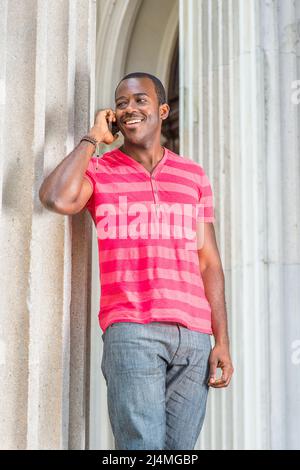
[(65, 181), (214, 285)]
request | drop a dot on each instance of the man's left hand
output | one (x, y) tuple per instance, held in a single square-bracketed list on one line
[(220, 357)]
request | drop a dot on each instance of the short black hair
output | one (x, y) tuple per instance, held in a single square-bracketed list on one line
[(159, 88)]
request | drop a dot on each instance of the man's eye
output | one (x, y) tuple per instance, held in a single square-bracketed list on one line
[(123, 102)]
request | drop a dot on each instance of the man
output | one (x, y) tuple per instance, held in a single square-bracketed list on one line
[(162, 297)]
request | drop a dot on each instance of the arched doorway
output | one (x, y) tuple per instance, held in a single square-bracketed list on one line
[(132, 36), (170, 128)]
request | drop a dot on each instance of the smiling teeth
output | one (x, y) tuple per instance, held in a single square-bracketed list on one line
[(132, 122)]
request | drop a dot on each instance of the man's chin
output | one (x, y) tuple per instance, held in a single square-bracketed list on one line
[(133, 139)]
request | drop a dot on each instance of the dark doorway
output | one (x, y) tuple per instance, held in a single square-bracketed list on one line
[(170, 127)]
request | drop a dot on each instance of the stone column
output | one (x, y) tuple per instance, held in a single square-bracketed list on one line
[(46, 73), (239, 64)]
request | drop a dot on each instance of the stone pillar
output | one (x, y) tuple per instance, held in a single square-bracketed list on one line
[(239, 114), (46, 73)]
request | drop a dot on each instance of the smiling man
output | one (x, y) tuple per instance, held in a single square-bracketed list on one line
[(162, 293)]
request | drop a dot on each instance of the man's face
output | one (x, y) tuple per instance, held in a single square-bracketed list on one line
[(136, 99)]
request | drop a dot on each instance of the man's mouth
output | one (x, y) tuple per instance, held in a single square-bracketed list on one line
[(133, 122)]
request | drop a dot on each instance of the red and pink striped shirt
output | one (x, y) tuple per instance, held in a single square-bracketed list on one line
[(149, 228)]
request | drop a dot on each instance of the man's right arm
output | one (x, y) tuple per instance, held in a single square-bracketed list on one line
[(65, 190)]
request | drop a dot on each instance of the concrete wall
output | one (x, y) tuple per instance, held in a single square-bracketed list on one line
[(47, 83), (239, 109)]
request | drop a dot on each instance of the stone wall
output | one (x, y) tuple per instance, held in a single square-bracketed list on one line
[(47, 94)]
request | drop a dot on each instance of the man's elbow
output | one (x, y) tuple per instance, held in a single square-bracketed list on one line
[(61, 207), (47, 201), (49, 204), (211, 265), (52, 203)]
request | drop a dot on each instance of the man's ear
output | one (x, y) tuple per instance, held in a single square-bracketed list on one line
[(164, 111)]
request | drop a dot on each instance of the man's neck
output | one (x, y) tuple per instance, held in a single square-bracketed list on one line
[(147, 156)]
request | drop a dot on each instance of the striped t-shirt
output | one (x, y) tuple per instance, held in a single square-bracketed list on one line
[(149, 229)]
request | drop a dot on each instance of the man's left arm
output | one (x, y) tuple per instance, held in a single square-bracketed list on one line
[(214, 285)]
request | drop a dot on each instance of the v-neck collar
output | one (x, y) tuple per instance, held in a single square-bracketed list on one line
[(155, 170)]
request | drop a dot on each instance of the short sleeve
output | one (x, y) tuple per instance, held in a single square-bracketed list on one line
[(206, 211), (90, 176)]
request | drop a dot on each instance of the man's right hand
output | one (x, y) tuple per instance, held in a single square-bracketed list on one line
[(100, 130)]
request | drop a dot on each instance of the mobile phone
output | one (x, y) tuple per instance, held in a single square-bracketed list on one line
[(113, 127)]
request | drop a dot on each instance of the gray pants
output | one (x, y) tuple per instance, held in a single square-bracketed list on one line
[(156, 376)]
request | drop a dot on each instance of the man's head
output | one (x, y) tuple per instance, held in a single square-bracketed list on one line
[(140, 96)]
